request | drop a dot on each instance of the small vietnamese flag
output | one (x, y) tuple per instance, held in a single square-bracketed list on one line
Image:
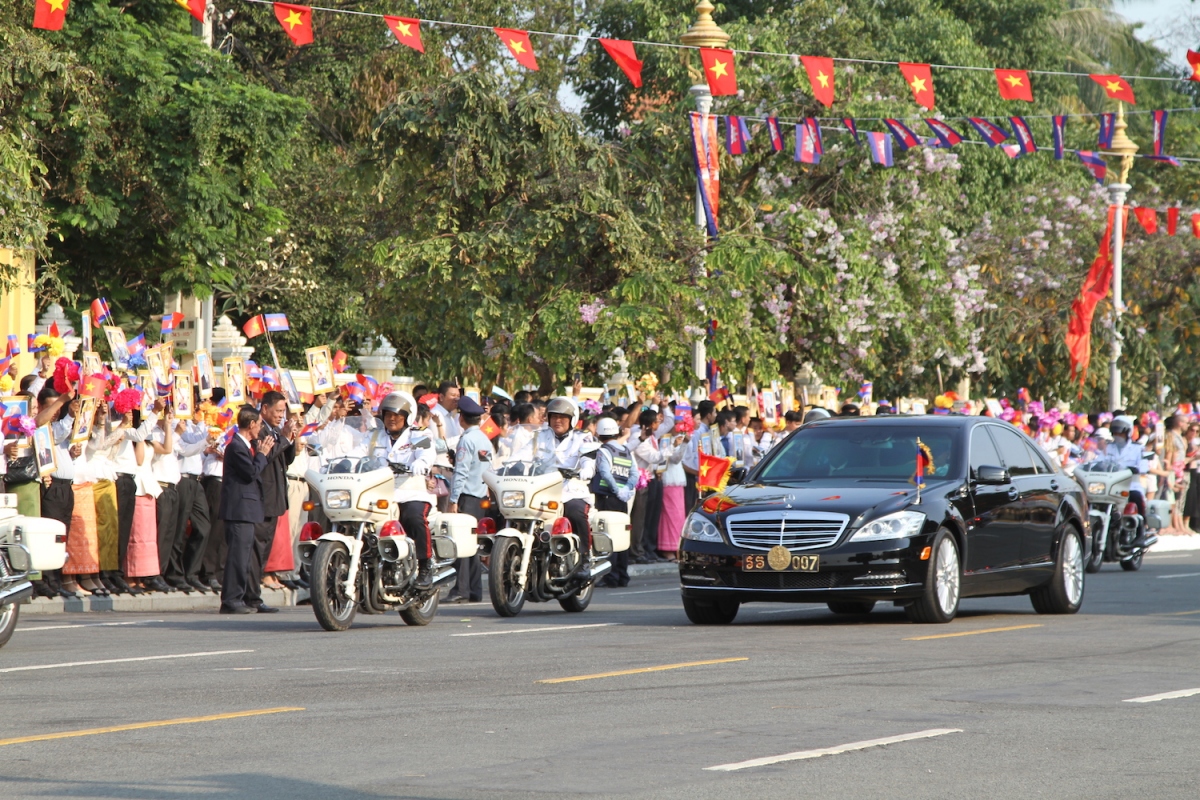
[(920, 80), (1196, 225), (489, 428), (94, 386), (1115, 87), (623, 53), (53, 330), (1172, 220), (1148, 217), (1014, 84), (1194, 62), (519, 45), (339, 361), (408, 31), (169, 321), (50, 14), (820, 76), (719, 70), (195, 7), (296, 22), (254, 327)]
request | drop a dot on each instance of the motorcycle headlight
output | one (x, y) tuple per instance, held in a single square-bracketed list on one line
[(900, 525), (338, 498), (700, 528), (1097, 488), (512, 499)]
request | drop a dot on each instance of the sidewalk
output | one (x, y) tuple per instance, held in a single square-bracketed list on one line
[(178, 601)]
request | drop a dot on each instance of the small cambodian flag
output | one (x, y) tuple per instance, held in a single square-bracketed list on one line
[(737, 134), (853, 128), (1094, 163), (1160, 131), (1060, 124), (169, 321), (881, 147), (14, 345), (1108, 128), (309, 429), (904, 135), (137, 345), (29, 343), (100, 312), (992, 134), (276, 322), (1024, 134), (775, 133), (947, 136)]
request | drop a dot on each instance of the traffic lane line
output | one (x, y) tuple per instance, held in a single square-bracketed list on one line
[(541, 629), (1177, 613), (124, 660), (970, 633), (162, 723), (640, 670), (1154, 698), (801, 755), (1179, 575), (85, 625)]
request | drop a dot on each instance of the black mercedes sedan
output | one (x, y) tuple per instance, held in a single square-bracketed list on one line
[(834, 514)]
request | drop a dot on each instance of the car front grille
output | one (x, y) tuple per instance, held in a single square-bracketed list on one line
[(795, 530), (785, 580)]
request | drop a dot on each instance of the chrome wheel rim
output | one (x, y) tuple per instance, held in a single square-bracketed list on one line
[(1072, 569), (339, 569), (946, 576), (6, 615)]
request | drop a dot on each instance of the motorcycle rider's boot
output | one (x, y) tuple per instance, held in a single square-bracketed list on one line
[(424, 574), (1140, 541)]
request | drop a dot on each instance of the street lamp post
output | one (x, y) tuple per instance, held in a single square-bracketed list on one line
[(704, 33), (1125, 148)]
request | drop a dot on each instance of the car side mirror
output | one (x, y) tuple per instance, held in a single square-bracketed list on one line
[(736, 476), (992, 476)]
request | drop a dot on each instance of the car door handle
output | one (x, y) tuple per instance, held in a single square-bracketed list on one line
[(1054, 486), (1013, 493)]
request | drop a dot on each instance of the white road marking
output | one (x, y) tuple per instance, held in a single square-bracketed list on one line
[(645, 591), (1171, 555), (800, 755), (1154, 698), (539, 630), (124, 660), (1180, 575), (85, 625), (789, 610)]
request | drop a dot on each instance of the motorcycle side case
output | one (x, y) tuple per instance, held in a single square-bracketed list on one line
[(1158, 514), (460, 529), (45, 540), (614, 526)]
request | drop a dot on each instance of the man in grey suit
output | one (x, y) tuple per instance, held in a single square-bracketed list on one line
[(242, 508)]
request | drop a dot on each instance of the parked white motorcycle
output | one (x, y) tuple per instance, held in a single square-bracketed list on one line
[(366, 562), (27, 544), (537, 556)]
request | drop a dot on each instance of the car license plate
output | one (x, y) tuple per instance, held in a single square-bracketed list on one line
[(780, 559)]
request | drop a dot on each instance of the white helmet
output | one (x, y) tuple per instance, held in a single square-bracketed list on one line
[(398, 403), (564, 406), (608, 427)]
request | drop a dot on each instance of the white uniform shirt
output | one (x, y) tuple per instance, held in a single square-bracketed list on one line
[(568, 456), (452, 430), (164, 466), (190, 446), (412, 488)]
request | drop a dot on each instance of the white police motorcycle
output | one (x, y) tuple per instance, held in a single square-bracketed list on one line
[(27, 545)]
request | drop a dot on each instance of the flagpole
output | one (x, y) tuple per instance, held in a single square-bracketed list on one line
[(1124, 147)]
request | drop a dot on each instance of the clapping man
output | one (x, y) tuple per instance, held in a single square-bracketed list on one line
[(242, 510)]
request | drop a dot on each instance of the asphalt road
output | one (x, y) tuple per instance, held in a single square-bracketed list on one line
[(1022, 706)]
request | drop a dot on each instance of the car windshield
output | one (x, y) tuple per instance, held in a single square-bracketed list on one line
[(527, 450), (862, 452)]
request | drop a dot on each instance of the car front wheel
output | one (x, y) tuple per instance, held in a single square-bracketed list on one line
[(710, 612), (938, 603)]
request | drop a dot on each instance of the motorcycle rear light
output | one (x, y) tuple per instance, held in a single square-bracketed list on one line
[(486, 527), (562, 527), (390, 528), (1130, 510), (311, 532)]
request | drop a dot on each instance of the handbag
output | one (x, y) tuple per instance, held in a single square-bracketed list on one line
[(437, 485), (21, 470)]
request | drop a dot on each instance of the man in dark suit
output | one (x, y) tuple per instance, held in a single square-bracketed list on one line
[(274, 490), (242, 509)]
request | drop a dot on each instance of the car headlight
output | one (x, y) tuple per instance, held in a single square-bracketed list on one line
[(1097, 488), (512, 499), (900, 525), (700, 528), (338, 498)]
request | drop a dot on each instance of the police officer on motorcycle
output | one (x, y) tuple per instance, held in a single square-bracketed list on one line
[(561, 415), (613, 485), (395, 412), (412, 449), (1129, 455)]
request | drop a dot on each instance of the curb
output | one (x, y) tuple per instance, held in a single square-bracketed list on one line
[(178, 601)]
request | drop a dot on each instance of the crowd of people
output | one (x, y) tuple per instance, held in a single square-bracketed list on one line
[(141, 493)]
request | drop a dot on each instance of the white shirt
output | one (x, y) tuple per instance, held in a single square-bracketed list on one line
[(124, 459), (412, 488), (61, 433), (568, 457), (451, 429), (214, 465), (165, 466), (190, 446)]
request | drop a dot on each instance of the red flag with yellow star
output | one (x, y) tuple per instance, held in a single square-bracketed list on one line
[(1194, 62), (296, 22), (920, 80), (1115, 87), (519, 45), (714, 473), (408, 31), (1014, 84), (50, 14), (194, 7), (719, 70), (820, 75), (625, 56)]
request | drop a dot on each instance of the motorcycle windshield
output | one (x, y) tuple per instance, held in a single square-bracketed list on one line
[(343, 445), (527, 450), (1103, 465)]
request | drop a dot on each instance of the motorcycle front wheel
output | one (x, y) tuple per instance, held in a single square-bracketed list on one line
[(504, 578), (422, 614), (8, 622), (1096, 558), (1133, 564), (331, 565)]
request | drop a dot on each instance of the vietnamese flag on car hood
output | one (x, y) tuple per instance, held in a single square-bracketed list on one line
[(714, 473), (296, 22)]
